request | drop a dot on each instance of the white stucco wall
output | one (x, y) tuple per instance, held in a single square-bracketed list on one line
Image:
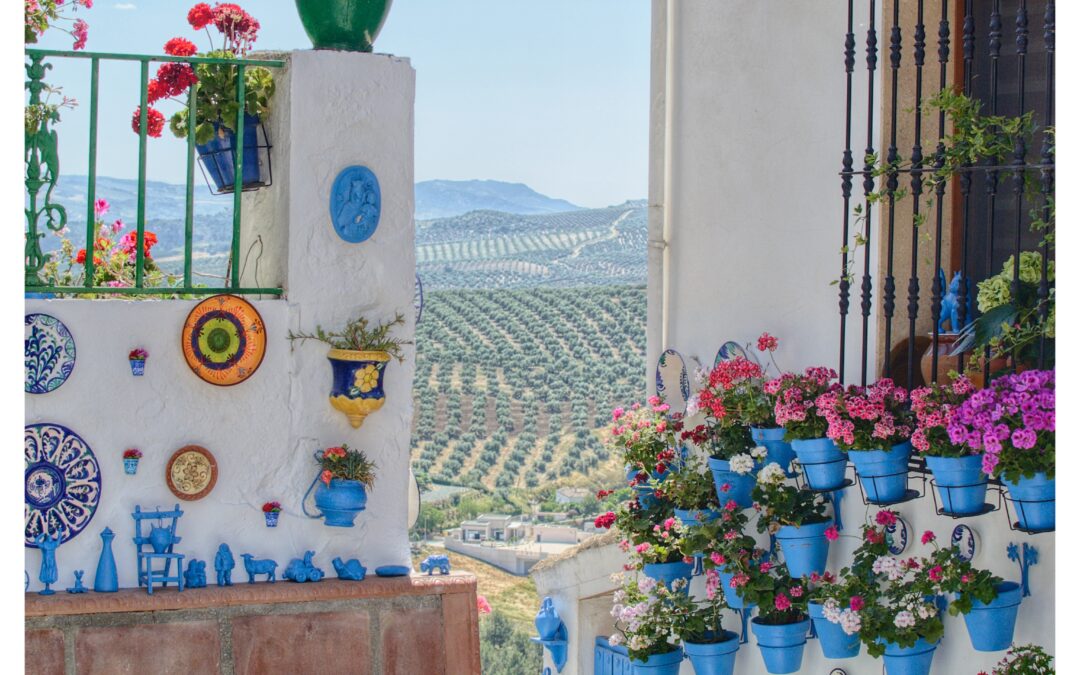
[(338, 109)]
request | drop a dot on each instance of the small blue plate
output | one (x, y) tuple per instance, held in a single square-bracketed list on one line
[(392, 571)]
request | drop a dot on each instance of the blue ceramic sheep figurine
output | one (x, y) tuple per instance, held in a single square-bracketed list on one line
[(435, 562), (254, 567), (351, 570), (195, 577), (303, 570)]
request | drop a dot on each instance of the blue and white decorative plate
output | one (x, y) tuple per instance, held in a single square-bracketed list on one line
[(671, 370), (896, 536), (50, 353), (731, 350), (355, 204), (63, 482)]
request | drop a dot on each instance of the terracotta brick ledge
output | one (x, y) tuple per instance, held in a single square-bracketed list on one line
[(243, 593)]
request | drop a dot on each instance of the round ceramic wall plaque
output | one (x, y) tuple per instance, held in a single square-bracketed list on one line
[(224, 340), (49, 353), (355, 204), (63, 482), (191, 472)]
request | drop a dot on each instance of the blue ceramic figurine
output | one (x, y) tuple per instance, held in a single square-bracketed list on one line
[(351, 570), (392, 571), (303, 570), (105, 581), (195, 577), (223, 565), (435, 562), (254, 567), (78, 587), (48, 574)]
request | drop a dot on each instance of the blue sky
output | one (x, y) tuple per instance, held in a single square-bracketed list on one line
[(554, 94)]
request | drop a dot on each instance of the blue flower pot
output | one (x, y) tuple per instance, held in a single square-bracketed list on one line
[(835, 643), (730, 485), (357, 390), (990, 626), (883, 473), (1033, 499), (693, 517), (822, 462), (730, 594), (218, 155), (716, 658), (271, 518), (773, 440), (138, 367), (806, 550), (658, 664), (160, 538), (961, 484), (914, 660), (781, 645), (341, 501), (667, 573), (131, 465)]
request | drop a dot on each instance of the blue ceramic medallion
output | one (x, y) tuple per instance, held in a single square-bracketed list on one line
[(63, 482), (355, 204), (672, 380), (963, 539), (49, 353)]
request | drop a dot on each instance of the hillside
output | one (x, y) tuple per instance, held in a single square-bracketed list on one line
[(512, 384), (485, 249), (445, 198)]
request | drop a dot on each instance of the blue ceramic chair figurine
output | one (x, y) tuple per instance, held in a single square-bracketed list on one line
[(161, 539), (351, 570), (195, 577), (223, 565), (48, 574), (254, 567)]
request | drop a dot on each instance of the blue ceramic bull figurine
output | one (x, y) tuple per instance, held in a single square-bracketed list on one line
[(254, 567), (435, 562)]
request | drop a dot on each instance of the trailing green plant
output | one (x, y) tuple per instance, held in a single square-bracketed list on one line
[(689, 487), (357, 336), (343, 463)]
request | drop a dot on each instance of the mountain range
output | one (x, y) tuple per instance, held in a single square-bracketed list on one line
[(469, 234)]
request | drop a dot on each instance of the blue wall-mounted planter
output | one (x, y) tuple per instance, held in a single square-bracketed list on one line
[(355, 204), (806, 550), (731, 485), (781, 645), (990, 626), (914, 660), (835, 643), (715, 658), (822, 463), (883, 473)]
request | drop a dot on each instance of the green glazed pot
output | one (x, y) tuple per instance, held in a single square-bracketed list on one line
[(348, 25)]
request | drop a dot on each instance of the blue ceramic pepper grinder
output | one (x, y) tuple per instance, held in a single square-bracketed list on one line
[(105, 581)]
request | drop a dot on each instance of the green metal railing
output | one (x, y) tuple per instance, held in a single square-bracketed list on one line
[(43, 170)]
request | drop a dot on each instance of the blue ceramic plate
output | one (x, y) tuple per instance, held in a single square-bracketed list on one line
[(392, 571), (49, 353), (63, 482)]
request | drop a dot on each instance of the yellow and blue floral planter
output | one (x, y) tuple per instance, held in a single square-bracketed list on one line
[(358, 383)]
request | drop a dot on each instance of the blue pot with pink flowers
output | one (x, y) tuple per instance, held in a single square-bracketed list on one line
[(713, 658), (658, 664), (781, 645), (823, 464), (991, 625), (772, 438), (667, 573), (732, 485), (883, 473), (960, 482), (731, 595), (1033, 501), (913, 660), (835, 643), (805, 548)]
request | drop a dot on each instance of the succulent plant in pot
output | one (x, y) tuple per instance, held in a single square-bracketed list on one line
[(358, 356)]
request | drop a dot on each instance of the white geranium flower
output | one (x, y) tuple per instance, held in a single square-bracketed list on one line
[(904, 619), (741, 464), (850, 621), (772, 474), (760, 452), (616, 640), (692, 406)]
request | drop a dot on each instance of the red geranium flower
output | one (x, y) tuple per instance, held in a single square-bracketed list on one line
[(155, 91), (200, 16), (155, 122), (605, 520), (179, 46), (175, 78)]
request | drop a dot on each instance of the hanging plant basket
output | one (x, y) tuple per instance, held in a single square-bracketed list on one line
[(217, 158)]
